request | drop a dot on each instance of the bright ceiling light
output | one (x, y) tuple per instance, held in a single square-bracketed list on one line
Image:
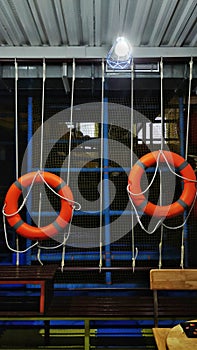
[(119, 56), (122, 47)]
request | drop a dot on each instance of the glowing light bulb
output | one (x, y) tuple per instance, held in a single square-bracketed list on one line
[(122, 47), (119, 56)]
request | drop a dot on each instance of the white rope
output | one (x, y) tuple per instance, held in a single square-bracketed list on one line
[(186, 153), (184, 222), (62, 244), (12, 214), (66, 237), (71, 122), (68, 178), (182, 250), (132, 111), (137, 194), (188, 108), (39, 256), (134, 249), (183, 178), (74, 203), (155, 172), (41, 149), (16, 143), (160, 173), (147, 188), (173, 172), (38, 173), (42, 113), (16, 116), (24, 200), (7, 243), (69, 161), (101, 168), (140, 222)]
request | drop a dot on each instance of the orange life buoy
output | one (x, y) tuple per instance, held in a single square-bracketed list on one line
[(26, 230), (181, 166)]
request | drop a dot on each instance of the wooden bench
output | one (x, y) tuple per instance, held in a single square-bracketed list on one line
[(34, 275), (88, 306), (88, 309), (79, 304), (174, 280)]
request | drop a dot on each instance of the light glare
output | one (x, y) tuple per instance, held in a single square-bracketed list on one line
[(122, 47)]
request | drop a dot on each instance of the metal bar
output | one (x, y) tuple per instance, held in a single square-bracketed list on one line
[(93, 256), (46, 331), (97, 170), (93, 213), (155, 300), (109, 268), (32, 68), (96, 52), (106, 192), (87, 334)]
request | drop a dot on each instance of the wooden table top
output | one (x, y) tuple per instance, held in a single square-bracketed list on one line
[(177, 339)]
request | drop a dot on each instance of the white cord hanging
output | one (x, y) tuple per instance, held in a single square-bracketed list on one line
[(16, 143), (71, 122), (101, 170), (146, 189), (75, 205), (62, 244), (7, 243), (134, 249), (41, 149), (69, 160), (188, 107), (160, 222), (186, 151), (160, 173)]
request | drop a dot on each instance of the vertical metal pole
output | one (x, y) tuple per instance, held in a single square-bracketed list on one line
[(155, 300), (87, 334)]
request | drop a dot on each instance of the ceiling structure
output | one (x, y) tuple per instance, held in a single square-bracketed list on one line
[(60, 30), (88, 28)]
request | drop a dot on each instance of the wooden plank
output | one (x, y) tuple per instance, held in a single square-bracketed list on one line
[(32, 272), (160, 335), (98, 306), (173, 279)]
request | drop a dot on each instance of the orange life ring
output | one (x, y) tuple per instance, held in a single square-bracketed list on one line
[(181, 166), (26, 230)]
